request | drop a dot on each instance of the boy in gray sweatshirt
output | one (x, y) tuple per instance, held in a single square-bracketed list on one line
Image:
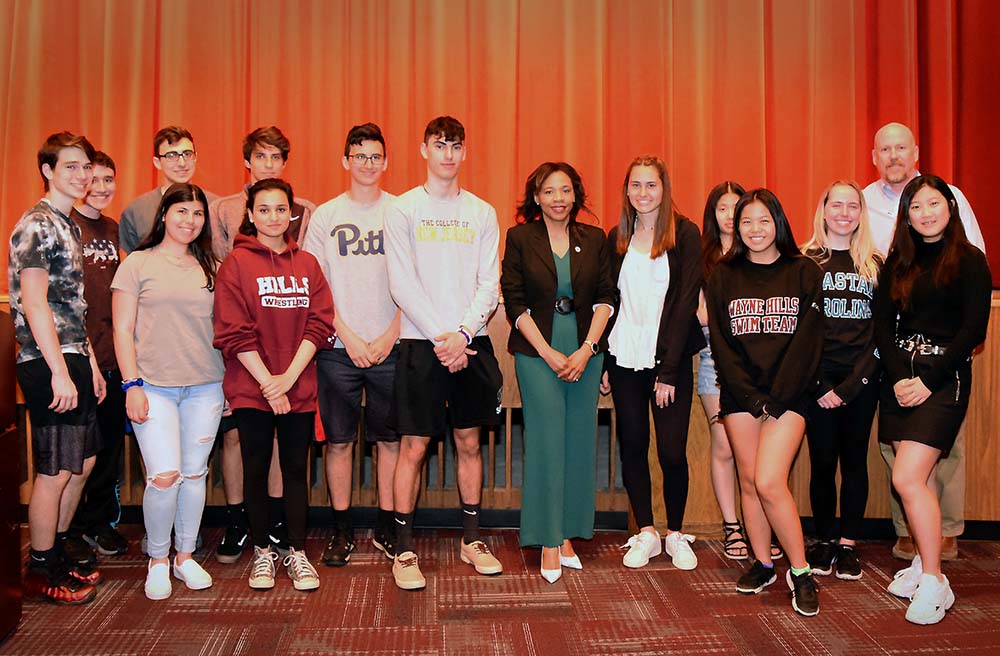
[(442, 255)]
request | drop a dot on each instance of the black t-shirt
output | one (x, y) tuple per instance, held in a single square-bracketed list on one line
[(100, 262)]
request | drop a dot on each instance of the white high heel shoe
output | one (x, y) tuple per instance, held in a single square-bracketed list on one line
[(551, 575), (572, 562)]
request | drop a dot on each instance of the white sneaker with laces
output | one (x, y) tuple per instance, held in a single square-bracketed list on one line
[(642, 546), (904, 583), (262, 572), (678, 546), (192, 574), (932, 599), (300, 570)]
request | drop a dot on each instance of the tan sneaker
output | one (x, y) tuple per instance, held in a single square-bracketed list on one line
[(478, 555), (949, 548), (300, 570), (903, 549), (406, 571)]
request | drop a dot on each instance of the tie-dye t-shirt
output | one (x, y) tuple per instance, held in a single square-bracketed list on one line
[(45, 238)]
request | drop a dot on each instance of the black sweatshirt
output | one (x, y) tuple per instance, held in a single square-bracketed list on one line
[(766, 331), (955, 315), (849, 345)]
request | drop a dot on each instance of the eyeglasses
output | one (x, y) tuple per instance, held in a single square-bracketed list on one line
[(361, 158), (173, 155)]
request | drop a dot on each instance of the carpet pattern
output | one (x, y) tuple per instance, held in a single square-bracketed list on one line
[(605, 609)]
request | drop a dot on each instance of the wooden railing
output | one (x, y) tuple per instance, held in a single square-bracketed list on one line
[(501, 449)]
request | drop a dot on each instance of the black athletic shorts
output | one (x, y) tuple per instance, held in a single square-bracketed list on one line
[(60, 441), (428, 398)]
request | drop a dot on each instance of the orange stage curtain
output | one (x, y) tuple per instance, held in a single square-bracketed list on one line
[(781, 93)]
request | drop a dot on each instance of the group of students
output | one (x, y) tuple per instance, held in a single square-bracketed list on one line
[(390, 296)]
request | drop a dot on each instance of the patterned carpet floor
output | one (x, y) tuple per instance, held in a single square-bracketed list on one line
[(604, 609)]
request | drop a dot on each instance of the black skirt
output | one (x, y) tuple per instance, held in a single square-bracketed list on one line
[(936, 421)]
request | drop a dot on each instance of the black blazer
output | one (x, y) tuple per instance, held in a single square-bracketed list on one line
[(528, 280), (680, 334)]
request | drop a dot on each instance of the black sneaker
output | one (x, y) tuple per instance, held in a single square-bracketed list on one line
[(231, 547), (848, 565), (338, 549), (756, 579), (76, 550), (385, 541), (821, 556), (107, 541), (805, 593), (277, 537)]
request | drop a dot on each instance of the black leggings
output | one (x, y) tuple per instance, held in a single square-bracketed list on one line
[(840, 434), (633, 395), (295, 432)]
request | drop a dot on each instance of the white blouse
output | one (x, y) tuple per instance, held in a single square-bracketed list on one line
[(643, 283)]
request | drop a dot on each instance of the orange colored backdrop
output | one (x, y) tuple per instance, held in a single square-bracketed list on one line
[(782, 93)]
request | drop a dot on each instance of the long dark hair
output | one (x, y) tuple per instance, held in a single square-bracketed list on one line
[(267, 184), (711, 238), (783, 238), (665, 230), (201, 247), (902, 260), (529, 211)]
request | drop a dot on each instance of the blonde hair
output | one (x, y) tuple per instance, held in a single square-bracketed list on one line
[(866, 259)]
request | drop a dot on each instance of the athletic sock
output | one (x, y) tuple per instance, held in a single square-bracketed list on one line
[(46, 559), (384, 521), (766, 565), (404, 532), (470, 522), (800, 571), (342, 520), (237, 513)]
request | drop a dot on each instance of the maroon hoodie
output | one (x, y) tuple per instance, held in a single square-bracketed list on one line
[(269, 302)]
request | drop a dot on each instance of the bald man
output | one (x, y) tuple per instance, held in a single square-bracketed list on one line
[(895, 156)]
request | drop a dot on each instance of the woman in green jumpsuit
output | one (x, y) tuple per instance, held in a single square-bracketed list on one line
[(558, 293)]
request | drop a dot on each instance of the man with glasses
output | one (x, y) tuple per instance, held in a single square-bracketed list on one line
[(173, 154), (265, 154), (346, 236)]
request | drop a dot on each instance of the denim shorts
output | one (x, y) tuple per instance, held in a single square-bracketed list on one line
[(708, 383)]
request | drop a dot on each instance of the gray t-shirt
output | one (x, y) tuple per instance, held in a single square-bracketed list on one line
[(348, 241), (173, 323)]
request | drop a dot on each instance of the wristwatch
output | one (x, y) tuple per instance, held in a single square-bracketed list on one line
[(592, 345)]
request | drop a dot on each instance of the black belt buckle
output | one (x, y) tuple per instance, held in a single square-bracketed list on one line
[(564, 305)]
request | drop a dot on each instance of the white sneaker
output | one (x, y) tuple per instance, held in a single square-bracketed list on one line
[(300, 570), (932, 599), (157, 581), (194, 575), (642, 546), (262, 572), (678, 546), (904, 583)]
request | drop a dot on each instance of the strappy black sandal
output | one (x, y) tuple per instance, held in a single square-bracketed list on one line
[(734, 544)]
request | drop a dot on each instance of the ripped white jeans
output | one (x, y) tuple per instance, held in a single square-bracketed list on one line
[(176, 441)]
